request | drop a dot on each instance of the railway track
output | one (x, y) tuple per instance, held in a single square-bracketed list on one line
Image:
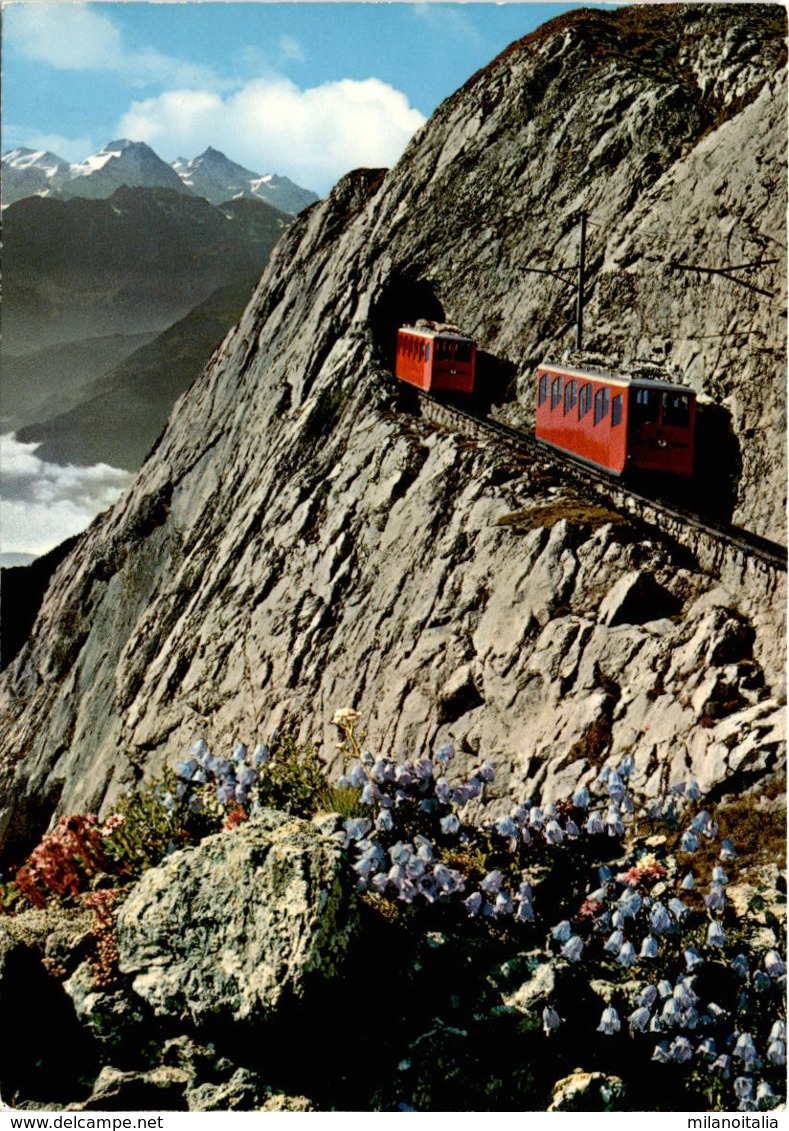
[(670, 517)]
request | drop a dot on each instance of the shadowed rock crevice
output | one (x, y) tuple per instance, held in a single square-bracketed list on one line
[(50, 1054)]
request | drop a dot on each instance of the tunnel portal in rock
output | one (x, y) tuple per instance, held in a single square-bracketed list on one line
[(403, 300)]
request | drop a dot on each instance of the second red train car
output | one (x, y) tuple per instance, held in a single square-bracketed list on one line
[(620, 423), (435, 359)]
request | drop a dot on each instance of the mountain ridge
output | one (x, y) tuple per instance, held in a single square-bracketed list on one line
[(28, 172), (154, 252)]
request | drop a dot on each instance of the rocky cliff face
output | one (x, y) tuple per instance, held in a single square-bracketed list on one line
[(294, 545)]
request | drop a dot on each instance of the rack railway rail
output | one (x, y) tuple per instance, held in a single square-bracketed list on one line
[(712, 540)]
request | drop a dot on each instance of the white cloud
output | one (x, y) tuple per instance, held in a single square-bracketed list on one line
[(446, 21), (66, 36), (44, 503), (291, 50), (75, 37), (270, 125)]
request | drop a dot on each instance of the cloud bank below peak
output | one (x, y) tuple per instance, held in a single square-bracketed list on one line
[(44, 503), (314, 135)]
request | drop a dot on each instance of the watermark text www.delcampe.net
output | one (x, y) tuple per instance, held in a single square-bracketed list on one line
[(85, 1122)]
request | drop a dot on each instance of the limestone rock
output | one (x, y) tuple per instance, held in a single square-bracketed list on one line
[(279, 1102), (157, 1089), (113, 1018), (588, 1091), (635, 599), (236, 927), (242, 1092), (535, 993)]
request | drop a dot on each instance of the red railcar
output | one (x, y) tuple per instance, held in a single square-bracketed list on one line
[(437, 360), (620, 423)]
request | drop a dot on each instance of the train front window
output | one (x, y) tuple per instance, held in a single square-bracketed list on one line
[(462, 351), (570, 396), (646, 406), (584, 401), (601, 405), (676, 410), (556, 392), (542, 394)]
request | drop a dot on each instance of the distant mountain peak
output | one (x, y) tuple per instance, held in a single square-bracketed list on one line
[(218, 178), (212, 175)]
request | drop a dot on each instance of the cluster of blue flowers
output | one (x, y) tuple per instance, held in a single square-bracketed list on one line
[(231, 780), (632, 920), (650, 915), (693, 992), (413, 847)]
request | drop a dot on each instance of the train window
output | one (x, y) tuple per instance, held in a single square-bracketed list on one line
[(601, 405), (616, 410), (570, 396), (443, 349), (427, 352), (676, 410), (462, 351), (542, 395), (646, 406), (556, 392), (584, 401)]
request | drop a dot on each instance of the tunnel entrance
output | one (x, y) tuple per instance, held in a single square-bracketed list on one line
[(402, 301)]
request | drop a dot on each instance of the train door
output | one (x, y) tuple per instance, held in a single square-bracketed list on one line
[(453, 364), (661, 427)]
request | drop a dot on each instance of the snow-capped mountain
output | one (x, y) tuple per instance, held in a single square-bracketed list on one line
[(212, 175), (27, 172), (217, 178), (123, 162)]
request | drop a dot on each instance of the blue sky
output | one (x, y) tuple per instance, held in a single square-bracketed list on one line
[(305, 90)]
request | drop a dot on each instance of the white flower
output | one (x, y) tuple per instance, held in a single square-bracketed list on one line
[(649, 947), (627, 955), (345, 717), (774, 964), (639, 1019), (550, 1020), (680, 1049), (716, 936), (573, 949), (609, 1022), (776, 1052)]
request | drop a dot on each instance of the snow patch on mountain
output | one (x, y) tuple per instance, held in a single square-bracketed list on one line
[(122, 162), (212, 175), (217, 178)]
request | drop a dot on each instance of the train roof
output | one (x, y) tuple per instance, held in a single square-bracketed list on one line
[(422, 332), (624, 379)]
